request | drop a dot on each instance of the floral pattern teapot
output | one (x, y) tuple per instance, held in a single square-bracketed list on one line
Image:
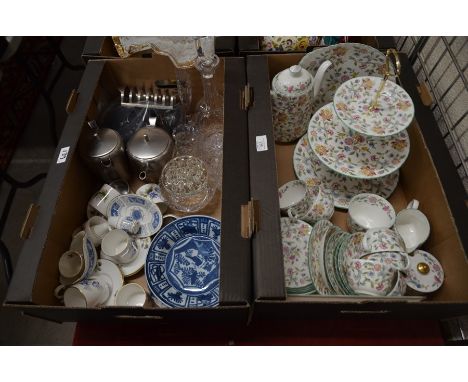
[(293, 91)]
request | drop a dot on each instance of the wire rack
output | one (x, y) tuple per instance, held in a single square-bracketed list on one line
[(442, 63)]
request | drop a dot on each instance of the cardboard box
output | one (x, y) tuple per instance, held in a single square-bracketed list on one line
[(69, 185), (428, 175), (98, 47)]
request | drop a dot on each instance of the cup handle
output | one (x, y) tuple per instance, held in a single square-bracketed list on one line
[(319, 76), (407, 261), (291, 215), (414, 204), (59, 291), (365, 245)]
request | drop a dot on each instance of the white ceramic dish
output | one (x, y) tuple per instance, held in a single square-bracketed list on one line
[(354, 154), (394, 111), (311, 170)]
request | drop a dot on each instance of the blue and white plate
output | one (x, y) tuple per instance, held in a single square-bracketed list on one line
[(182, 266), (137, 208)]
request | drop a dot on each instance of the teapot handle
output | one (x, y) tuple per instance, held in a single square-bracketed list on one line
[(319, 76)]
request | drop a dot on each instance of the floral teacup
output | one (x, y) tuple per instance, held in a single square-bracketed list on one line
[(383, 240), (367, 211), (293, 194), (397, 260), (320, 206), (399, 289), (370, 278)]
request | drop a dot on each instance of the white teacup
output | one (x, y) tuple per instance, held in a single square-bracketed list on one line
[(88, 293), (153, 192), (101, 200), (118, 247), (319, 205), (370, 278), (71, 266), (130, 294), (413, 226), (124, 222), (367, 211), (96, 228)]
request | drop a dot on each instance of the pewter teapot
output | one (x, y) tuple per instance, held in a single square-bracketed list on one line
[(149, 149), (103, 151), (293, 90)]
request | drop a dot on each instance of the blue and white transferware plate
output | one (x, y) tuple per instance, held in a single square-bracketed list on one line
[(182, 266), (137, 208)]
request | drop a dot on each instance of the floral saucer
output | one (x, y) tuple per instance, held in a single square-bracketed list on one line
[(311, 170), (182, 266), (295, 238), (350, 60), (316, 256), (138, 263), (393, 113), (111, 270), (353, 154), (137, 208)]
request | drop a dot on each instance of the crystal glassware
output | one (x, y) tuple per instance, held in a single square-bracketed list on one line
[(185, 184)]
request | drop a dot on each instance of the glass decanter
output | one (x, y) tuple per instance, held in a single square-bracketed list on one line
[(209, 120)]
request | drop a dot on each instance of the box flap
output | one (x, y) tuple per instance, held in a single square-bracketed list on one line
[(236, 268), (21, 286), (266, 243)]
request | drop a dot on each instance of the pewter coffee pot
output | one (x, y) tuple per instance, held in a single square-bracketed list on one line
[(103, 151), (149, 149)]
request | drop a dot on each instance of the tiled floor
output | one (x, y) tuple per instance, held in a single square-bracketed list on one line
[(32, 157)]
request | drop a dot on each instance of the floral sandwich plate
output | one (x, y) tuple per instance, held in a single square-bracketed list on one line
[(350, 60), (137, 208), (392, 114), (295, 240), (182, 266), (316, 256), (352, 154), (311, 170)]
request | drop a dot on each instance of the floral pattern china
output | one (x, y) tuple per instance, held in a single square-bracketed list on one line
[(316, 256), (354, 154), (350, 60), (393, 114), (295, 240), (311, 170), (425, 274)]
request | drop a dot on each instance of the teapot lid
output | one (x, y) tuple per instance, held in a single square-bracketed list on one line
[(149, 143), (101, 142), (293, 81)]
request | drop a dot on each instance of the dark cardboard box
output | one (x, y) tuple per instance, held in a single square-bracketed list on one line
[(97, 47), (69, 185), (428, 175)]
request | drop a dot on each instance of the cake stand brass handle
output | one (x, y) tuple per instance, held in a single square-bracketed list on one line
[(387, 74)]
